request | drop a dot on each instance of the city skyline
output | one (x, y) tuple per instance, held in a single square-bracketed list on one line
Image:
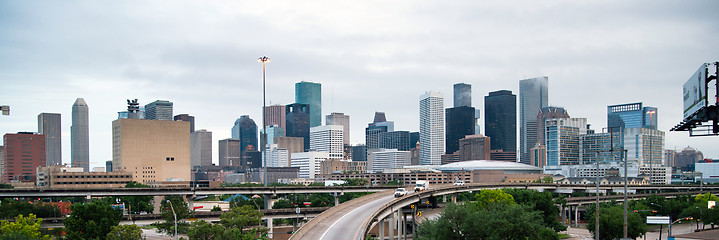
[(207, 68)]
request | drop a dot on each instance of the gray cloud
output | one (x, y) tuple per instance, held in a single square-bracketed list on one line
[(369, 56)]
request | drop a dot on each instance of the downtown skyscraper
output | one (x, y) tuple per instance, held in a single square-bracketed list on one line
[(533, 95), (500, 120), (340, 119), (431, 128), (159, 110), (245, 130), (80, 136), (49, 124), (311, 94), (460, 119)]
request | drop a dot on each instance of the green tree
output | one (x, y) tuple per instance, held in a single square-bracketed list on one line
[(181, 209), (539, 201), (22, 228), (356, 182), (202, 230), (240, 217), (91, 220), (216, 209), (137, 204), (548, 179), (492, 196), (282, 203), (125, 232), (611, 223), (5, 186), (494, 221), (10, 208)]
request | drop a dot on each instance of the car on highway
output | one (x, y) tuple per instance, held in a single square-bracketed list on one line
[(459, 183), (400, 192)]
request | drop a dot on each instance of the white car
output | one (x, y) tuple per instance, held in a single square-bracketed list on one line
[(459, 183), (400, 192)]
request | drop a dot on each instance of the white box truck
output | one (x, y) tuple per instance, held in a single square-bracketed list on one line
[(421, 185)]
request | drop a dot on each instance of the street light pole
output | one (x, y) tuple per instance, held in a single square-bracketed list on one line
[(175, 215), (263, 139)]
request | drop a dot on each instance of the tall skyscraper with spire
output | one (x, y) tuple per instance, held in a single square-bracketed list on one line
[(49, 124), (533, 95), (431, 128), (311, 94), (80, 136)]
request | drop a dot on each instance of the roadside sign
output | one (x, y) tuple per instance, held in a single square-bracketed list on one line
[(658, 220), (297, 210)]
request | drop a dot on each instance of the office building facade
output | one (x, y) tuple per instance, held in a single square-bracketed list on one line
[(399, 140), (80, 135), (460, 123), (329, 139), (230, 151), (310, 93), (50, 125), (631, 115), (24, 152), (533, 95), (159, 110), (562, 140), (384, 159), (292, 144), (245, 129), (548, 113), (462, 95), (152, 151), (359, 153), (342, 120), (200, 148), (687, 158), (298, 122), (309, 163), (644, 146), (474, 147), (431, 128), (277, 157), (500, 120), (275, 115), (186, 118)]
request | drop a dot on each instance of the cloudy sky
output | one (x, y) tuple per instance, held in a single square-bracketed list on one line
[(369, 56)]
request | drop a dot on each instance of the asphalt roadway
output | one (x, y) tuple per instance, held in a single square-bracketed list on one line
[(347, 223)]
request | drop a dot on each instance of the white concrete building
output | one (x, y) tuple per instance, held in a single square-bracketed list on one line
[(329, 139), (431, 128), (276, 156), (385, 159), (308, 162)]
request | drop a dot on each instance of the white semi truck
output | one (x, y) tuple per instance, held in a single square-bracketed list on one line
[(421, 185)]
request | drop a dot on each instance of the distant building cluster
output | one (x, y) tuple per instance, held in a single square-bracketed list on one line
[(153, 146)]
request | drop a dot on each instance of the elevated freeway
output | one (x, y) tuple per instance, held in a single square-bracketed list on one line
[(388, 215), (183, 191)]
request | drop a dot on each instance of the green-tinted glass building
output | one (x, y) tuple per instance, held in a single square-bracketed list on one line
[(311, 94)]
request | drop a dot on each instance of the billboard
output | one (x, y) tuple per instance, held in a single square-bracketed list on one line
[(695, 96)]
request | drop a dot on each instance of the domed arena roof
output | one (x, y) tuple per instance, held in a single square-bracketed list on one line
[(487, 165)]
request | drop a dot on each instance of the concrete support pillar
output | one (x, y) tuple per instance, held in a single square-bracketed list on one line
[(400, 225), (576, 216), (268, 201), (444, 198), (391, 226), (156, 202), (562, 215), (381, 229), (88, 198), (269, 228), (337, 199)]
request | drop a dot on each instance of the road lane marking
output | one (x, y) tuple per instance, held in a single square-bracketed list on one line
[(340, 219)]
